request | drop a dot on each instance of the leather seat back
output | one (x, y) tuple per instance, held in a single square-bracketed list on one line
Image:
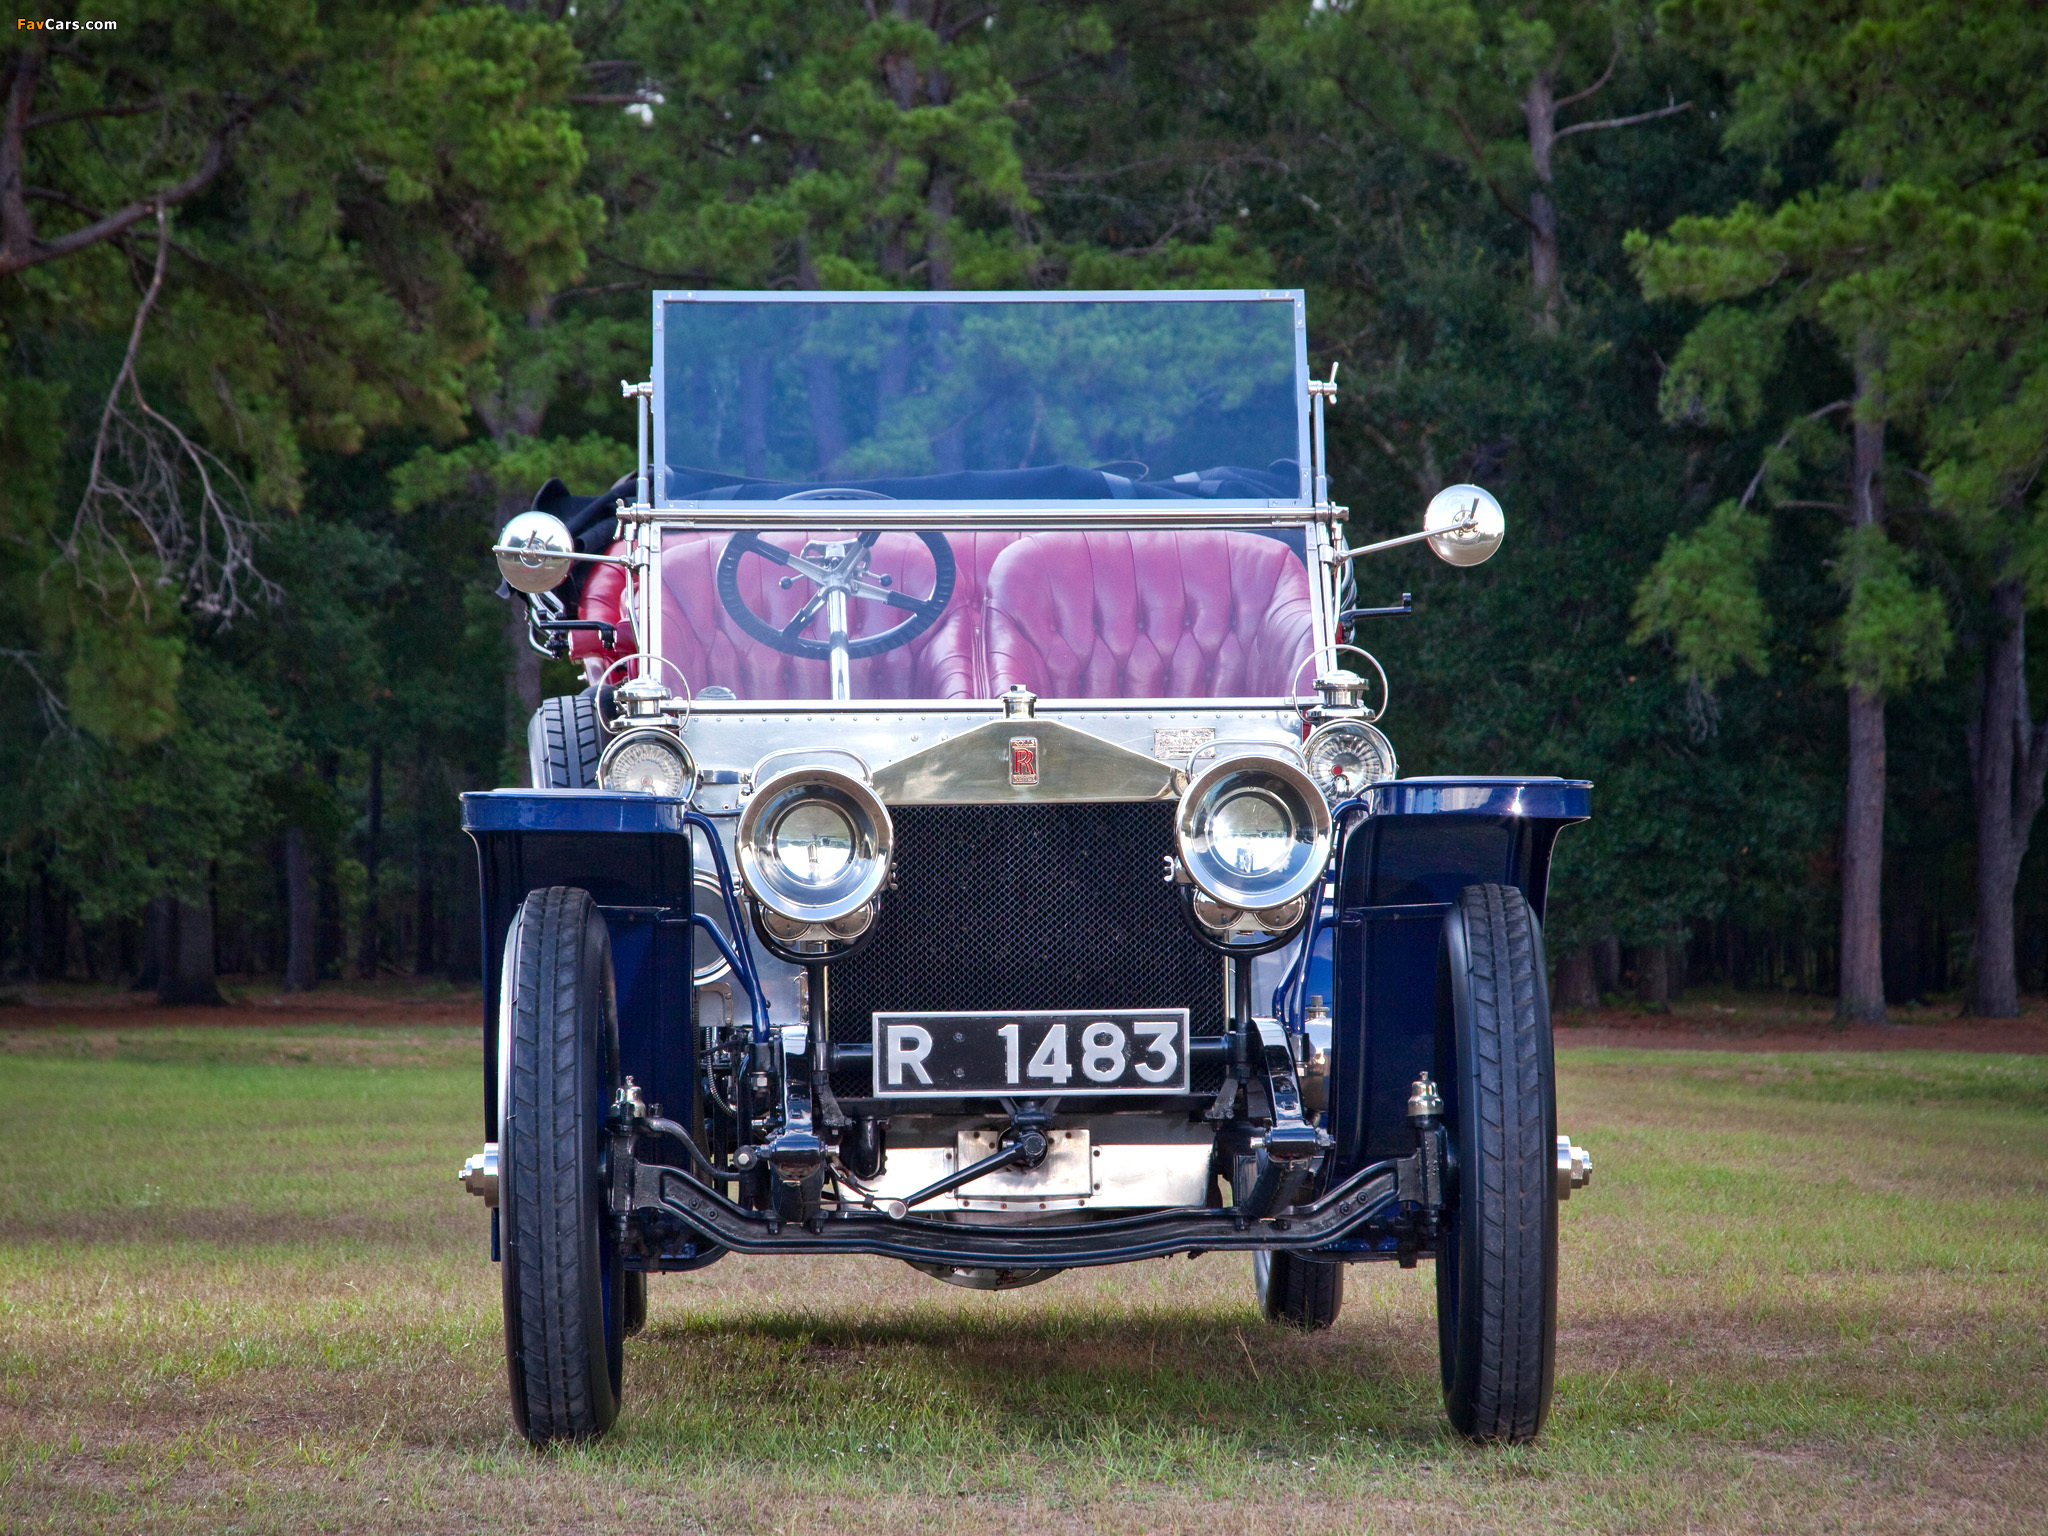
[(948, 661), (1179, 613), (1087, 614)]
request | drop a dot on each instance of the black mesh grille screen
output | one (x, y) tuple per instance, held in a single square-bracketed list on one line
[(1028, 906)]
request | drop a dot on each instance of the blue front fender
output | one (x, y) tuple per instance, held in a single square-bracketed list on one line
[(1398, 871), (632, 852)]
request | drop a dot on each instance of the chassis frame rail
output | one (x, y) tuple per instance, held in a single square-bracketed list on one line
[(657, 1188)]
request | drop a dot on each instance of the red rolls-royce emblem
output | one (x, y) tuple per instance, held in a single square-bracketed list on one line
[(1023, 761)]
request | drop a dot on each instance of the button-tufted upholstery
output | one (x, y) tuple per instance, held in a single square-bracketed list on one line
[(946, 662), (1096, 614), (1176, 614)]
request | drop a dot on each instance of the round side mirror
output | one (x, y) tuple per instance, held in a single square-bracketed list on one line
[(531, 552), (1471, 523)]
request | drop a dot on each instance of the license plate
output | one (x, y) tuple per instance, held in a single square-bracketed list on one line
[(1030, 1055)]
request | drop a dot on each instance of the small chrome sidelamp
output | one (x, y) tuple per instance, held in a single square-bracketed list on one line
[(1345, 751), (650, 760)]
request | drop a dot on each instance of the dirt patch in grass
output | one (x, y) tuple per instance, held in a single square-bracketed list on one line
[(1763, 1022), (297, 1043), (254, 1004)]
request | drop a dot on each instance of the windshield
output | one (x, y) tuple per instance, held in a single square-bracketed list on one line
[(960, 613), (1029, 398)]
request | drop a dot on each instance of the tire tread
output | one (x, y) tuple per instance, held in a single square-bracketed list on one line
[(1507, 1395), (553, 1369), (564, 741), (1303, 1295)]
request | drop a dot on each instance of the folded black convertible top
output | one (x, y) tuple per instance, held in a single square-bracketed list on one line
[(594, 519)]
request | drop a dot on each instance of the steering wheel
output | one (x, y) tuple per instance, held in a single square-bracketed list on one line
[(835, 570)]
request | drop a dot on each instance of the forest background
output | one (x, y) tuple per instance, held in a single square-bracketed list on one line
[(1736, 305)]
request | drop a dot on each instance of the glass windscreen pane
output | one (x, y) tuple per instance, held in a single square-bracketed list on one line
[(974, 401), (952, 613)]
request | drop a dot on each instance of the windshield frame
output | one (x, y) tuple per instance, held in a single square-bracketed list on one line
[(990, 514)]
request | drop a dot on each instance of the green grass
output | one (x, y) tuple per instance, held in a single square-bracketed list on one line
[(240, 1289)]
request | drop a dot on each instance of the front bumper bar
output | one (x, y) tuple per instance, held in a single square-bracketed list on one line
[(658, 1189)]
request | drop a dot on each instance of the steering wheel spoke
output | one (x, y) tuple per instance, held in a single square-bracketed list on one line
[(804, 615), (810, 570), (924, 607)]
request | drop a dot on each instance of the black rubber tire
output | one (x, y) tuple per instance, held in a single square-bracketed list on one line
[(1496, 1271), (564, 742), (1297, 1294), (564, 1286)]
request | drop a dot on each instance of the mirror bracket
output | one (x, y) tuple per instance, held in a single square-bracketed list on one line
[(1463, 525)]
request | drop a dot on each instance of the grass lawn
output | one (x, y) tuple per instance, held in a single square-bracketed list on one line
[(240, 1289)]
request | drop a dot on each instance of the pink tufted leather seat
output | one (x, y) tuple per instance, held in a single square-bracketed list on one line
[(1096, 614), (1175, 614), (948, 661)]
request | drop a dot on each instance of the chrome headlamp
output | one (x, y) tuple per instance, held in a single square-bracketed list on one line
[(649, 761), (814, 845), (1345, 756), (1254, 832)]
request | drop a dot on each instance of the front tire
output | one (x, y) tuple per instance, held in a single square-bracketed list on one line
[(1296, 1293), (564, 741), (1496, 1268), (565, 1289)]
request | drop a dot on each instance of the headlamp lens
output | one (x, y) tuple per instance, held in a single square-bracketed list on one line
[(814, 847), (1252, 833), (813, 842), (647, 766), (1346, 756)]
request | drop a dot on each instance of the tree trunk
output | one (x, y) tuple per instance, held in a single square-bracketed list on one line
[(1861, 995), (423, 920), (938, 247), (422, 867), (368, 956), (754, 408), (828, 423), (301, 963), (1576, 987), (1607, 964), (1539, 107), (187, 979), (328, 946), (1653, 977), (45, 960), (157, 919), (2008, 764)]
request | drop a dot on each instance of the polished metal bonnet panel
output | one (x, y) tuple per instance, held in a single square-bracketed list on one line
[(977, 767)]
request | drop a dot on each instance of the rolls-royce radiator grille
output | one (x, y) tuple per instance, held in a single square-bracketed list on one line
[(1045, 906)]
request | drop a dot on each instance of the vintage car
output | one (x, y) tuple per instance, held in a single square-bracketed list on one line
[(976, 847)]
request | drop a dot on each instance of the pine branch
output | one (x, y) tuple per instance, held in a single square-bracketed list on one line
[(20, 247), (1625, 122), (142, 464), (50, 119), (1479, 169), (1779, 446), (1594, 89)]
